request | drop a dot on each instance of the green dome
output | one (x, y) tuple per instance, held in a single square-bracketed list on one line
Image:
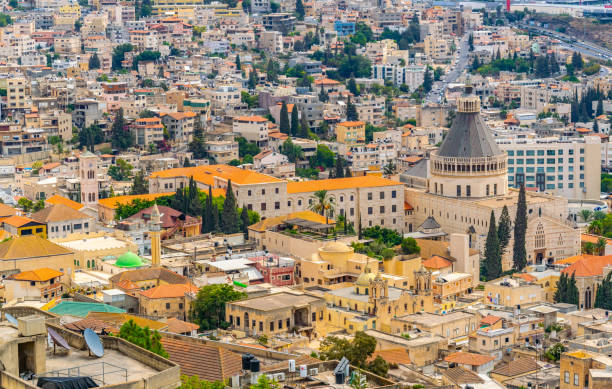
[(128, 259)]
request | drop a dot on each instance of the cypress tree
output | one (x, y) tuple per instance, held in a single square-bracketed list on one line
[(299, 9), (295, 123), (253, 78), (195, 205), (352, 86), (323, 96), (359, 232), (351, 111), (208, 215), (503, 229), (561, 292), (186, 162), (347, 172), (283, 124), (603, 298), (599, 109), (595, 126), (229, 216), (339, 171), (238, 64), (304, 128), (572, 291), (244, 217), (492, 259), (519, 254)]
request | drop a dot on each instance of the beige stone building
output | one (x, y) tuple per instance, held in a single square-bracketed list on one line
[(582, 369), (168, 300), (469, 180), (454, 326), (510, 292), (277, 313)]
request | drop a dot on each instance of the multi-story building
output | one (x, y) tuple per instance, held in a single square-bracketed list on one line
[(510, 292), (180, 125), (222, 151), (373, 155), (411, 76), (454, 326), (282, 22), (567, 167), (350, 133), (436, 48), (538, 96), (147, 131), (223, 97), (17, 93), (70, 44), (252, 128), (371, 109)]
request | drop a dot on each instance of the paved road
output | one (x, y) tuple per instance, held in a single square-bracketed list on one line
[(572, 43), (462, 54)]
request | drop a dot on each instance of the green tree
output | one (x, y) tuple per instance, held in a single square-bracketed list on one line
[(140, 185), (196, 146), (599, 110), (119, 55), (253, 79), (351, 111), (142, 337), (492, 260), (504, 229), (299, 9), (519, 254), (324, 157), (471, 42), (94, 62), (554, 352), (208, 308), (238, 64), (25, 204), (322, 204), (194, 382), (264, 382), (357, 350), (5, 20), (186, 162), (121, 136), (291, 150), (352, 86), (229, 217), (244, 219), (210, 215), (427, 80), (121, 170), (304, 128), (144, 10), (410, 246), (284, 126), (39, 205), (339, 171), (246, 148), (90, 136), (295, 122), (323, 96), (603, 298)]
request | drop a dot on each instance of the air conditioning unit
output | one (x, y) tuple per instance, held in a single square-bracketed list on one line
[(313, 372), (279, 377)]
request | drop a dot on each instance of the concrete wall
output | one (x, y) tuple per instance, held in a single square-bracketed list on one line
[(9, 381)]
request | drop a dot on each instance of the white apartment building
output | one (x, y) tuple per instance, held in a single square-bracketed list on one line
[(537, 97), (372, 155), (567, 167), (412, 75)]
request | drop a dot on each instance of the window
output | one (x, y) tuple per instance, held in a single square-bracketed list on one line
[(576, 379), (248, 192), (382, 209), (369, 210), (238, 321), (566, 377), (393, 194), (263, 206), (263, 191), (370, 196), (468, 190), (280, 324), (382, 195), (394, 208), (167, 305), (260, 326), (458, 190), (277, 205), (276, 190), (271, 326)]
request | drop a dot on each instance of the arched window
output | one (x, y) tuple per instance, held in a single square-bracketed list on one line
[(540, 238), (88, 264)]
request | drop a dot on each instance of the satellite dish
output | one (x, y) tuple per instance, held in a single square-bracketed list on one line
[(93, 343), (10, 318), (57, 339)]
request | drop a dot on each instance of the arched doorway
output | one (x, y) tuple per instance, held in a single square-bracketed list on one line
[(587, 298), (246, 320)]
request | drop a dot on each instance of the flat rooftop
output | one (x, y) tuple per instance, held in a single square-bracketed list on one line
[(430, 319), (349, 292), (276, 301), (114, 362), (93, 244)]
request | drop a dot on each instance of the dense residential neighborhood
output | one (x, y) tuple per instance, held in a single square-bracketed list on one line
[(325, 193)]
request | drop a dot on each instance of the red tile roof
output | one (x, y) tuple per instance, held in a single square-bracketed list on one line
[(207, 362), (465, 358), (588, 267), (437, 262), (490, 320)]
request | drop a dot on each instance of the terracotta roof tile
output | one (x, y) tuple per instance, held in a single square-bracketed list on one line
[(111, 202), (437, 262), (153, 273), (42, 274), (392, 355), (461, 376), (179, 326), (30, 246), (369, 181), (209, 363), (516, 367), (58, 213), (465, 358), (57, 199), (490, 320), (169, 291), (587, 267)]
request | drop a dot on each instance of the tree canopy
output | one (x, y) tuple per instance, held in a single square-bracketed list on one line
[(208, 308), (142, 337)]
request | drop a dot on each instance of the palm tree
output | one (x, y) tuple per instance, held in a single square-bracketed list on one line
[(599, 215), (600, 246), (585, 214), (595, 228), (323, 204), (588, 248)]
